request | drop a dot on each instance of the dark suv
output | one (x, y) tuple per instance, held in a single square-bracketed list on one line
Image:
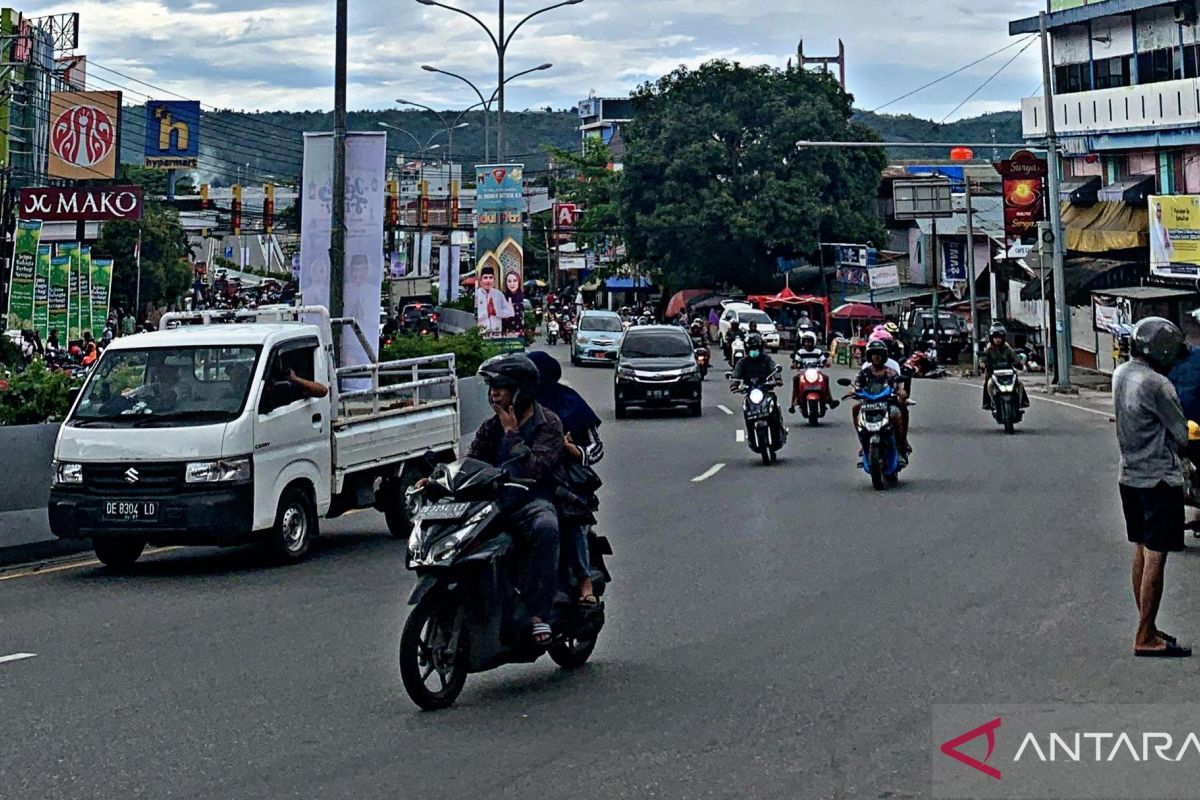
[(656, 368), (953, 337)]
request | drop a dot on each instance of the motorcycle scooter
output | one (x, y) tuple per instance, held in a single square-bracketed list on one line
[(765, 432), (880, 455), (813, 385), (1005, 391), (468, 613)]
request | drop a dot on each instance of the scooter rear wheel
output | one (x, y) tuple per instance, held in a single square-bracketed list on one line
[(423, 655)]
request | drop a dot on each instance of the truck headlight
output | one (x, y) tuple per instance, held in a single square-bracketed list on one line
[(233, 470), (67, 473)]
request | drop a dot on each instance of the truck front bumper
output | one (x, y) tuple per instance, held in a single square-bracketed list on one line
[(196, 517)]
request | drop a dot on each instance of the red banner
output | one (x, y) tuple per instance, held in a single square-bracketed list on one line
[(55, 204), (1024, 199)]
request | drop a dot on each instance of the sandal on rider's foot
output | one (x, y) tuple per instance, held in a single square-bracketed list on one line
[(589, 601), (1169, 650), (541, 634)]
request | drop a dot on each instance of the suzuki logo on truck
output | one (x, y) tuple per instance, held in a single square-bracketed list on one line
[(132, 475)]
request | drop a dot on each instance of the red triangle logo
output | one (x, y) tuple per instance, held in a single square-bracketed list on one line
[(987, 729), (499, 174)]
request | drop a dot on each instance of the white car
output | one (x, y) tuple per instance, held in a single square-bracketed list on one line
[(745, 313)]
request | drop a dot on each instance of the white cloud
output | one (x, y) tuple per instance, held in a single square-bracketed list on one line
[(277, 54)]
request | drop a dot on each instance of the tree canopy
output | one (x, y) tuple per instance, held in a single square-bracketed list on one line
[(715, 188)]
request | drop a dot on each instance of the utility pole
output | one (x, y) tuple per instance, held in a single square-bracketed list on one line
[(937, 325), (337, 231), (971, 277), (1062, 325), (501, 49)]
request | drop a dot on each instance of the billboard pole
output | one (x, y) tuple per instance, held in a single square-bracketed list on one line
[(1062, 325)]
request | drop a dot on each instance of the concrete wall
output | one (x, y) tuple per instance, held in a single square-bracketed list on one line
[(452, 320)]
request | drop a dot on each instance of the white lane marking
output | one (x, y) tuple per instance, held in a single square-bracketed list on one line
[(726, 410), (708, 473), (17, 657), (740, 435)]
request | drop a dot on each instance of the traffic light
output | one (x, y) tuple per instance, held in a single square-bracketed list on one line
[(235, 210)]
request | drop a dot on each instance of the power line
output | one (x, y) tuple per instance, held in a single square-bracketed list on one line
[(991, 77)]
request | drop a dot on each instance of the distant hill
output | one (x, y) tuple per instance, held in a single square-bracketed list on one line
[(271, 143)]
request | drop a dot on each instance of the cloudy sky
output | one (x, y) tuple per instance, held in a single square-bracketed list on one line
[(278, 54)]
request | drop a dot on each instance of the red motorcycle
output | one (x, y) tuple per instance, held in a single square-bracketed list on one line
[(813, 387)]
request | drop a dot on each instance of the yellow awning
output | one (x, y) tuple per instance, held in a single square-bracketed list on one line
[(1105, 226)]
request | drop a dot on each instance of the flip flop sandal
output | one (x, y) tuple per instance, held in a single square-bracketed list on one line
[(541, 633), (1172, 650), (589, 601), (1166, 637)]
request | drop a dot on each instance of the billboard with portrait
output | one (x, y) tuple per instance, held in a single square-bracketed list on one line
[(500, 259), (1175, 236)]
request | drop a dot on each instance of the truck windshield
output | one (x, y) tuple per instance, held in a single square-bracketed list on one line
[(159, 386)]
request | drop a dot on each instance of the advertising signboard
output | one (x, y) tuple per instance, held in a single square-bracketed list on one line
[(500, 259), (70, 250), (1024, 199), (21, 284), (1175, 236), (64, 204), (59, 296), (366, 164), (172, 134), (954, 261), (884, 276), (85, 139), (41, 284), (101, 285), (85, 290)]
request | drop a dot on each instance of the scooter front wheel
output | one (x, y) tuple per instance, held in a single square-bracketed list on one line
[(572, 653), (432, 675), (876, 464)]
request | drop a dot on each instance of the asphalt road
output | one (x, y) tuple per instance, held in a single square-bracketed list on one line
[(774, 632)]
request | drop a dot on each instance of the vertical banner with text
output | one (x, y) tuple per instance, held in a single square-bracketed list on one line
[(71, 251), (41, 292), (21, 287), (59, 296), (85, 291), (1024, 200), (100, 284), (366, 157), (500, 259)]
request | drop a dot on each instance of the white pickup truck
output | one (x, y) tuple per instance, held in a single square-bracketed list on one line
[(210, 431)]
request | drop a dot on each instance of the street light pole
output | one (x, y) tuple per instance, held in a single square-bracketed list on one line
[(486, 104), (1062, 320), (337, 232)]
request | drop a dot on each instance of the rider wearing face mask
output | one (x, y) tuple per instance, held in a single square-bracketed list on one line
[(757, 365)]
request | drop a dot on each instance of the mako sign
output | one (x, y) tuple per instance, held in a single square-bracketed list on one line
[(54, 204)]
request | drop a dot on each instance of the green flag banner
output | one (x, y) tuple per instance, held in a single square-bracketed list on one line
[(101, 283), (59, 295), (20, 288), (41, 292), (85, 291), (70, 250)]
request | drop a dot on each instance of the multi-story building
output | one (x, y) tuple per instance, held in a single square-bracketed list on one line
[(602, 118)]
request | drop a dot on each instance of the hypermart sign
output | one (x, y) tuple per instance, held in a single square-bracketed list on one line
[(55, 204)]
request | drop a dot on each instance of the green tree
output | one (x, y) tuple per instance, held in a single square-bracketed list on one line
[(166, 270), (714, 187), (586, 180)]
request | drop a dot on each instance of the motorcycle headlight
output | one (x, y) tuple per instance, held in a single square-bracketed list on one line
[(66, 473), (811, 375), (233, 470), (447, 547), (756, 396)]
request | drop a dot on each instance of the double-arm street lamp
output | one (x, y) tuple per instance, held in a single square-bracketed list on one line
[(501, 41), (447, 127), (487, 104), (421, 148)]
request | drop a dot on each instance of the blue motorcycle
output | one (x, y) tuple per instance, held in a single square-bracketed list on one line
[(880, 455)]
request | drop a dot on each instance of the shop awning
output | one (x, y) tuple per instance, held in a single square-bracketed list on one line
[(895, 295), (1084, 275), (1105, 226), (1081, 191), (1134, 189)]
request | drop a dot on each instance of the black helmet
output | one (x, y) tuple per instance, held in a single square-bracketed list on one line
[(998, 330), (877, 346), (515, 371), (754, 341), (1157, 340)]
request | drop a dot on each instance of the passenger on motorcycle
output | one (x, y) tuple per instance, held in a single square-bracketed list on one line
[(999, 354), (528, 440), (735, 332), (875, 373), (582, 446), (756, 366), (809, 351)]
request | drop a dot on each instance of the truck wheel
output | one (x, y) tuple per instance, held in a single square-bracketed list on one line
[(294, 528), (118, 553), (399, 521)]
